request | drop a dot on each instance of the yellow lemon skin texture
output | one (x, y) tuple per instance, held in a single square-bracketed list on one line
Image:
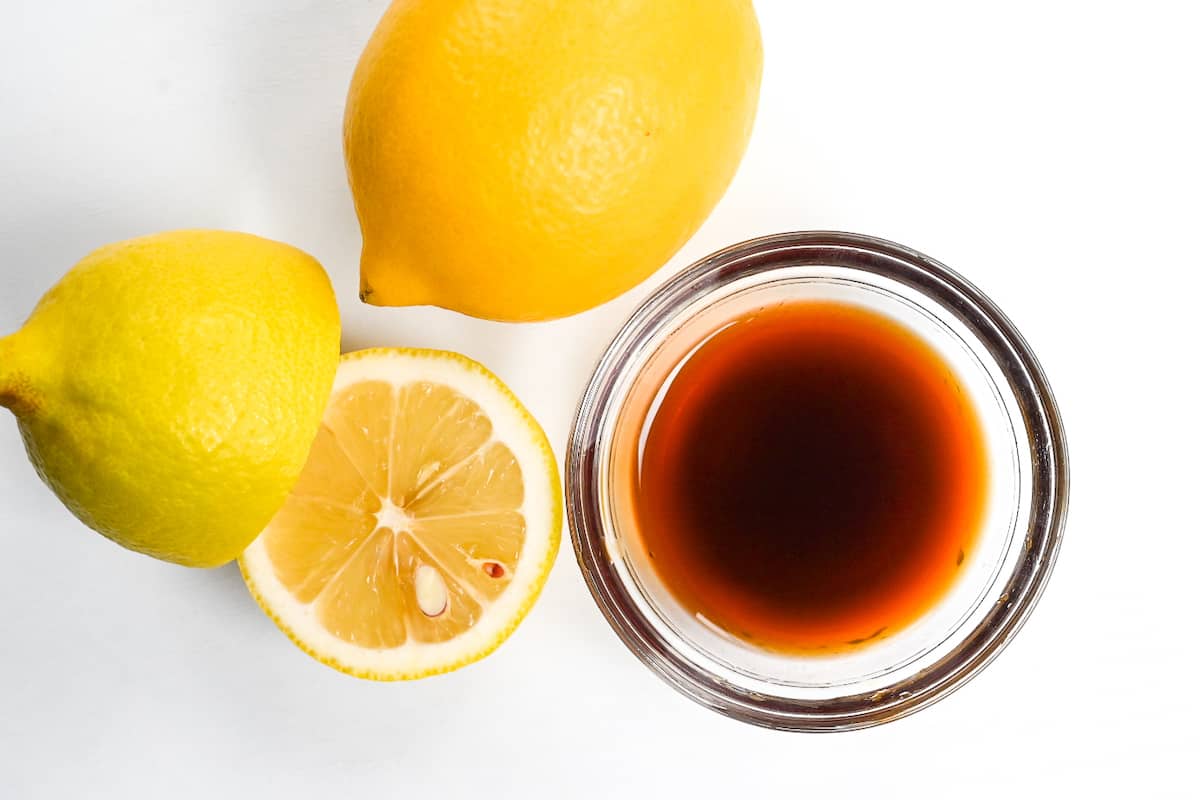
[(522, 160), (169, 388)]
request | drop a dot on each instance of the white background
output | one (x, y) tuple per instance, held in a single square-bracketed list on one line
[(1048, 150)]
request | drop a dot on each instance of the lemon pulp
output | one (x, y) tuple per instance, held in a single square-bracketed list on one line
[(421, 528)]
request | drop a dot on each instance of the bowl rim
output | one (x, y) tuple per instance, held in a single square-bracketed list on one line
[(1049, 489)]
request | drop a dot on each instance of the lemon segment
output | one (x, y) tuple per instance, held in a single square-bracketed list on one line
[(423, 526)]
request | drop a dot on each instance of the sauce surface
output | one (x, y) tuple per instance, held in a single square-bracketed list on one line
[(813, 479)]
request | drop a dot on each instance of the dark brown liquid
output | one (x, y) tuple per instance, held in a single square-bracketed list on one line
[(813, 480)]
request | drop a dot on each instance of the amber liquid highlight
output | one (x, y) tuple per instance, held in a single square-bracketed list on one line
[(813, 480)]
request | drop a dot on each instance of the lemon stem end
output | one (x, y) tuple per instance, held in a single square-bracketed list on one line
[(16, 390), (384, 283)]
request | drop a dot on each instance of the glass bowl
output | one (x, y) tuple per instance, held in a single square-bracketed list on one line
[(999, 584)]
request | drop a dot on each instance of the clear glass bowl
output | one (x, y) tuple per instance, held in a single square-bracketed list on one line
[(998, 586)]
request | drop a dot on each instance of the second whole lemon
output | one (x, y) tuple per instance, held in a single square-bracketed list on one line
[(529, 159), (169, 388)]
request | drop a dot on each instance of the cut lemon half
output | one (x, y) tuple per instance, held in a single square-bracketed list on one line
[(423, 526)]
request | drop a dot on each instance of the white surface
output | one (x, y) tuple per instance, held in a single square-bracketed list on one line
[(1046, 149)]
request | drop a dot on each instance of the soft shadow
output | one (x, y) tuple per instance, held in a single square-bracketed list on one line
[(291, 65), (220, 591)]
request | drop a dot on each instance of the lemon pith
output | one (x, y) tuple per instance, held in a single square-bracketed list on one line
[(423, 526)]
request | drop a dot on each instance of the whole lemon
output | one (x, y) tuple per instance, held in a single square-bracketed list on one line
[(529, 159), (169, 388)]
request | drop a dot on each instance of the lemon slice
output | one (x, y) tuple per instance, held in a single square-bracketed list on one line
[(423, 525)]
